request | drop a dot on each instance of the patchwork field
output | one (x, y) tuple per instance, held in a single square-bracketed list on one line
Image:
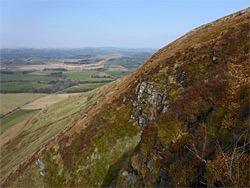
[(24, 76), (79, 74), (21, 86)]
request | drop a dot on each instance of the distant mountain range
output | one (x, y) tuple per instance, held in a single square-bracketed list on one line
[(10, 53)]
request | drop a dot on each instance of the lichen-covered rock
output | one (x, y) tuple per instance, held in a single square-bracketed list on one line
[(148, 96)]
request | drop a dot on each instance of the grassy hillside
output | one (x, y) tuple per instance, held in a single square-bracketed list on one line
[(45, 125), (10, 101), (180, 120), (14, 118)]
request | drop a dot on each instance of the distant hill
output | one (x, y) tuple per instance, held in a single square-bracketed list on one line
[(11, 53), (180, 120)]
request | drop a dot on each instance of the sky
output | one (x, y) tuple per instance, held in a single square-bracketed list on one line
[(105, 23)]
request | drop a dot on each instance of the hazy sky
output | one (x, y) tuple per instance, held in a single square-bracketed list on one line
[(117, 23)]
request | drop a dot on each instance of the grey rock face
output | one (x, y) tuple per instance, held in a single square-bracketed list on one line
[(136, 115), (150, 89), (150, 165), (147, 96), (124, 99), (42, 169), (125, 173), (40, 164), (165, 108), (164, 99), (142, 121), (130, 179)]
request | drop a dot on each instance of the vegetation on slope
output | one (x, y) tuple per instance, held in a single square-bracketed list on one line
[(10, 101), (202, 139), (14, 118), (44, 126), (191, 97)]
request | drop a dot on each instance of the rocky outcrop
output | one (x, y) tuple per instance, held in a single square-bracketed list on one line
[(191, 98), (149, 102), (41, 165), (197, 124)]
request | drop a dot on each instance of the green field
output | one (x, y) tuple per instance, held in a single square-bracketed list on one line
[(30, 77), (17, 86), (119, 74), (127, 62), (79, 74), (11, 101), (93, 79), (82, 88), (14, 118)]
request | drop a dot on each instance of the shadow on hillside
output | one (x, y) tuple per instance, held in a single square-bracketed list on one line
[(113, 173)]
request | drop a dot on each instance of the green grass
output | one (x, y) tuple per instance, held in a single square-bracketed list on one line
[(127, 62), (47, 123), (14, 118), (79, 74), (98, 79), (11, 101), (30, 77), (101, 75), (119, 74), (17, 86), (82, 88)]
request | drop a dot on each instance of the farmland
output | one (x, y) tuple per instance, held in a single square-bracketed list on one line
[(28, 75), (11, 101), (55, 70), (74, 75)]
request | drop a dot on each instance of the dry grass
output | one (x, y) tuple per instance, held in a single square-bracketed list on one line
[(12, 132), (47, 125), (47, 101), (10, 101)]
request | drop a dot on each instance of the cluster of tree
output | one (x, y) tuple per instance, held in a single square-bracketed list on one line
[(27, 72), (5, 81), (84, 61), (57, 74), (56, 85), (54, 69), (6, 72), (69, 62), (11, 72), (101, 76)]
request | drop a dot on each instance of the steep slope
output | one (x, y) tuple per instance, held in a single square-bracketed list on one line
[(45, 126), (182, 119)]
